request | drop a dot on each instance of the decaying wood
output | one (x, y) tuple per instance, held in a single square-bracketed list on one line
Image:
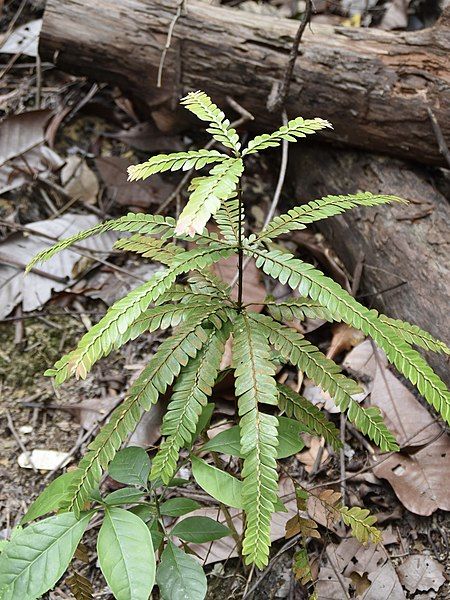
[(405, 248), (374, 86)]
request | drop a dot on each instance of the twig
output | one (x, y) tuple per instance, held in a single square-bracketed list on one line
[(443, 148), (18, 440), (287, 546), (249, 578), (38, 81), (180, 8), (342, 458), (279, 93)]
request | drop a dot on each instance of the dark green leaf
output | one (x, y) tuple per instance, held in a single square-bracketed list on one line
[(146, 512), (179, 576), (126, 556), (204, 419), (33, 561), (199, 530), (220, 485), (131, 466), (289, 442), (49, 500), (175, 507), (125, 495)]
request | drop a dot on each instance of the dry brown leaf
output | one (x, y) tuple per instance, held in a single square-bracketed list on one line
[(344, 338), (79, 181), (370, 564), (23, 40), (141, 194), (420, 477), (421, 573), (19, 133), (146, 137), (308, 457), (33, 290)]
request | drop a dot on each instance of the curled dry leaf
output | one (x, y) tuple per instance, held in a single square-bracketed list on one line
[(309, 457), (420, 477), (421, 573)]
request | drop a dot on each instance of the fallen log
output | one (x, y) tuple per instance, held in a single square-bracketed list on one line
[(406, 271), (374, 86)]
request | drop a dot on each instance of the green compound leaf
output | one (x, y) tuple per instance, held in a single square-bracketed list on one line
[(34, 560), (189, 398), (131, 466), (194, 159), (137, 223), (296, 128), (207, 194), (199, 530), (311, 418), (255, 385), (295, 349), (220, 485), (165, 365), (126, 556), (219, 126), (316, 210), (313, 283), (361, 522), (179, 576)]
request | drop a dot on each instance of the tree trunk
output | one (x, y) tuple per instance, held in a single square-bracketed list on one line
[(405, 248), (374, 86)]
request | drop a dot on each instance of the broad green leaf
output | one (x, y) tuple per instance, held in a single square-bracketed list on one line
[(127, 495), (146, 512), (176, 507), (225, 442), (289, 440), (157, 535), (126, 556), (204, 419), (289, 430), (131, 466), (49, 500), (34, 560), (199, 530), (220, 485), (179, 576)]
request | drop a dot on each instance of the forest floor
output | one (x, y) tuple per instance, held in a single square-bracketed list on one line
[(64, 168)]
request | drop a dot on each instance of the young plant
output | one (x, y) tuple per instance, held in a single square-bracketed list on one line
[(187, 297)]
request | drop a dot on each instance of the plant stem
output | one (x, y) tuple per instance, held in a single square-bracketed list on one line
[(240, 253)]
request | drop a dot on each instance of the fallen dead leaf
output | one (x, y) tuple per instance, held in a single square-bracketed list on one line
[(34, 289), (19, 133), (344, 338), (420, 476), (79, 181), (421, 573), (141, 194), (146, 137), (23, 40), (308, 457)]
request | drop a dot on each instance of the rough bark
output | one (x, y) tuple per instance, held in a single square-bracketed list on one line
[(405, 248), (374, 86)]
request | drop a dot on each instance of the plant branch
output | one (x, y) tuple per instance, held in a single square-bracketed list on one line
[(279, 93)]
